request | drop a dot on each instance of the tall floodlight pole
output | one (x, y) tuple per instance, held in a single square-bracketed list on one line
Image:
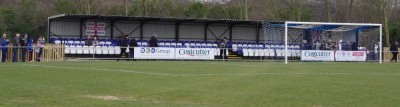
[(286, 42)]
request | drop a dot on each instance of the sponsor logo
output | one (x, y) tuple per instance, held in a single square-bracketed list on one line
[(194, 52), (155, 50), (317, 54), (358, 53)]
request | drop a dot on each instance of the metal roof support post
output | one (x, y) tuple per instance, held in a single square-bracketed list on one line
[(177, 26), (81, 29), (141, 30), (205, 31), (48, 29), (230, 32), (258, 34), (112, 29)]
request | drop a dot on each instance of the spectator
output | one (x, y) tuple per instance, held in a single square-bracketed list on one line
[(123, 43), (328, 45), (40, 45), (30, 49), (153, 42), (354, 46), (4, 43), (88, 41), (95, 41), (323, 45), (24, 45), (394, 49), (132, 46), (304, 45), (16, 47), (317, 45), (223, 46), (348, 46), (376, 52)]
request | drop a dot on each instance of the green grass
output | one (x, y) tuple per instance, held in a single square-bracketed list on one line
[(209, 84)]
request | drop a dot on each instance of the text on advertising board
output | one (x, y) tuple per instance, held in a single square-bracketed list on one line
[(194, 52)]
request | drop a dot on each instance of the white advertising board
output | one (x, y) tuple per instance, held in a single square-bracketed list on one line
[(194, 53), (317, 55), (351, 56)]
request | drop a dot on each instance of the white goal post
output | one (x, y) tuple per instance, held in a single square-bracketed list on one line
[(336, 24)]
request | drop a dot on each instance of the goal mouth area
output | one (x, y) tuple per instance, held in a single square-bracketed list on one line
[(361, 34)]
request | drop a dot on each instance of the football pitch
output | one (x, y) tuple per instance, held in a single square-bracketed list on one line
[(199, 84)]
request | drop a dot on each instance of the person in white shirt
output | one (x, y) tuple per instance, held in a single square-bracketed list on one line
[(376, 52)]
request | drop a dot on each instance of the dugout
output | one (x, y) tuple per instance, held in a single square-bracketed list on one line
[(166, 28)]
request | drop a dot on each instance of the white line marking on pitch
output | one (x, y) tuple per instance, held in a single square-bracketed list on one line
[(239, 74), (99, 69)]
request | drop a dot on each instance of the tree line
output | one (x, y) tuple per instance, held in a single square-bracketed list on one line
[(30, 16)]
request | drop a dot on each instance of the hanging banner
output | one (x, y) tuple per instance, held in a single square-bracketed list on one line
[(351, 56), (96, 28), (317, 55)]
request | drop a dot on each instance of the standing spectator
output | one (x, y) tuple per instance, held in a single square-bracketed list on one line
[(88, 41), (132, 46), (323, 45), (340, 45), (304, 45), (317, 45), (24, 45), (376, 52), (4, 49), (328, 45), (40, 45), (123, 43), (15, 47), (222, 46), (30, 49), (153, 42), (354, 46), (394, 49), (95, 41)]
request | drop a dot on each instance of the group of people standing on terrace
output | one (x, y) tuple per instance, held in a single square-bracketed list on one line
[(22, 45)]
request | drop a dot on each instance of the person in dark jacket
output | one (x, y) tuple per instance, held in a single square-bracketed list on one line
[(123, 43), (4, 44), (16, 46), (24, 45), (354, 46), (153, 42), (88, 41), (132, 46), (394, 49)]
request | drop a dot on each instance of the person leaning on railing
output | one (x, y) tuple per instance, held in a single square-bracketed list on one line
[(4, 43)]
